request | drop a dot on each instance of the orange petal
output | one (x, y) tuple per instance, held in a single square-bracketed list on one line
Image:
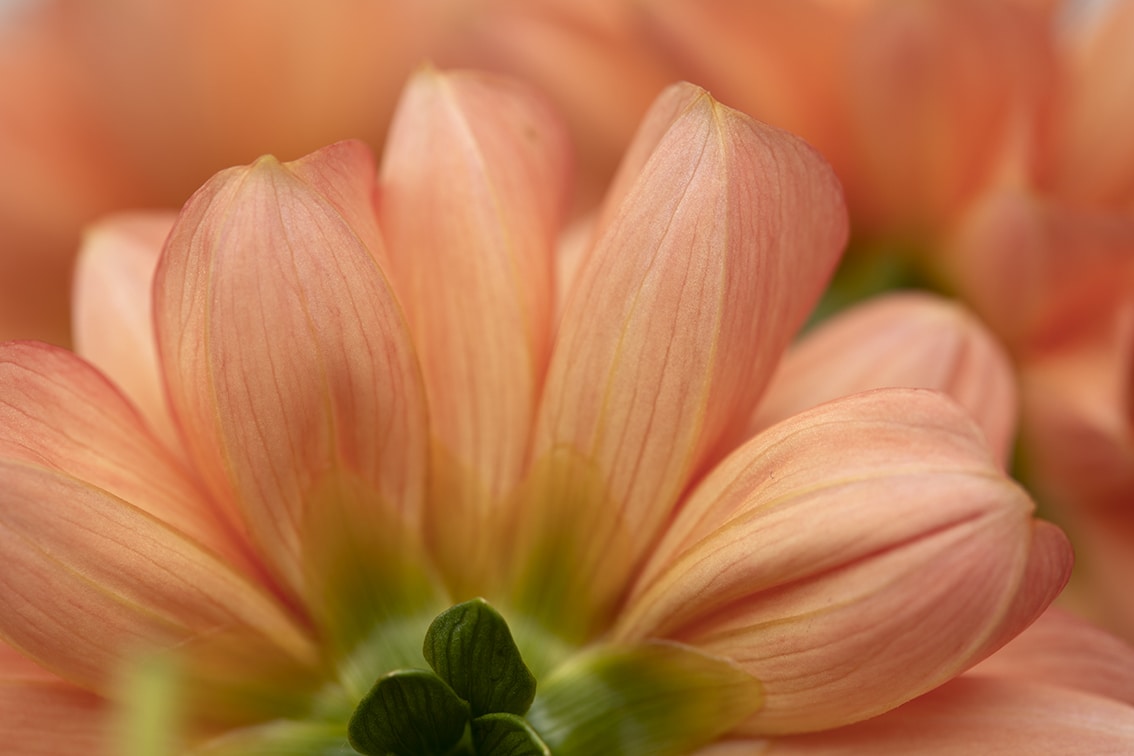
[(980, 715), (673, 328), (851, 558), (1094, 155), (90, 580), (59, 414), (901, 340), (43, 715), (473, 184), (1065, 650), (289, 367), (112, 315), (1037, 272)]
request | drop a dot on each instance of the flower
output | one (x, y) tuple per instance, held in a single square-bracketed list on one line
[(371, 409), (117, 105)]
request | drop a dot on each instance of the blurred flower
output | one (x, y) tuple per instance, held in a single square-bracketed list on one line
[(358, 404), (127, 103)]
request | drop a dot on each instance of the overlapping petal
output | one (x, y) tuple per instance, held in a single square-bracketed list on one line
[(77, 556), (472, 190), (899, 340), (112, 315), (291, 374), (994, 715), (892, 555), (653, 369), (43, 715)]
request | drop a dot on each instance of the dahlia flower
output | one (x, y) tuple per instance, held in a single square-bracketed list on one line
[(361, 480)]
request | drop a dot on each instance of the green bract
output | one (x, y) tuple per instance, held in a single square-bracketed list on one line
[(480, 699)]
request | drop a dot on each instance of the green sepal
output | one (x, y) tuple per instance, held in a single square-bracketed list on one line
[(408, 712), (470, 647), (506, 735), (657, 698)]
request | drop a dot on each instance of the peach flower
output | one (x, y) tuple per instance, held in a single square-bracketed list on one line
[(356, 404), (129, 103)]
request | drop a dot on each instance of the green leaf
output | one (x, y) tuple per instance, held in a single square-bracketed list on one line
[(506, 735), (409, 712), (470, 647), (656, 698)]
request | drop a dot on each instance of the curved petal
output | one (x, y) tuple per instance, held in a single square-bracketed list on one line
[(1065, 650), (292, 377), (1094, 157), (850, 559), (43, 715), (980, 715), (900, 340), (676, 321), (473, 184), (90, 580), (112, 318), (1035, 271), (59, 413)]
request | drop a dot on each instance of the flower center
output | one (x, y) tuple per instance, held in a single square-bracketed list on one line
[(472, 701)]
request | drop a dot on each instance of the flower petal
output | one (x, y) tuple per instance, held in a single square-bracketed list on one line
[(43, 715), (113, 323), (673, 328), (1066, 650), (1094, 157), (980, 715), (473, 184), (90, 580), (59, 413), (851, 558), (292, 377), (901, 340)]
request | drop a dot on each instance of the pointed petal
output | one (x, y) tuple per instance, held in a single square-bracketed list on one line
[(43, 715), (90, 580), (289, 368), (112, 318), (901, 340), (473, 184), (977, 715), (729, 232), (851, 558), (59, 413)]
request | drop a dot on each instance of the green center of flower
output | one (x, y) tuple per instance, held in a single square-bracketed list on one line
[(479, 698), (472, 702)]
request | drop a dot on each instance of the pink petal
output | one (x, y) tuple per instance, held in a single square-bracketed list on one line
[(1036, 271), (112, 315), (851, 558), (674, 326), (980, 715), (90, 580), (58, 413), (1094, 155), (43, 715), (472, 188), (900, 340), (1065, 650), (289, 368)]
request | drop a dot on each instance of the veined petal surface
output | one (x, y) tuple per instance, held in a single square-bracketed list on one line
[(899, 340), (672, 330), (472, 189), (292, 377), (850, 559), (90, 581)]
